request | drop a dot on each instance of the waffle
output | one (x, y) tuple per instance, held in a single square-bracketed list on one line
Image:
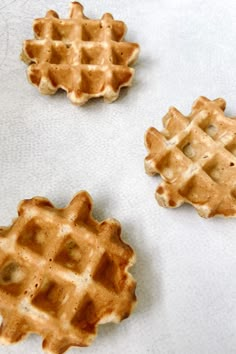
[(196, 157), (62, 273), (87, 58)]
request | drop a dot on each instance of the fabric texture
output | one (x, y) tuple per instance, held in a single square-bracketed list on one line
[(185, 267)]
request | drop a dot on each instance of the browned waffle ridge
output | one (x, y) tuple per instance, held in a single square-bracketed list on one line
[(87, 58), (62, 273), (196, 157)]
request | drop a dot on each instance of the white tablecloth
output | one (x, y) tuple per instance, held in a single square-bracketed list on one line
[(185, 270)]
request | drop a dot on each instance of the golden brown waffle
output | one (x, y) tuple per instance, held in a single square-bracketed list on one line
[(196, 157), (87, 58), (62, 273)]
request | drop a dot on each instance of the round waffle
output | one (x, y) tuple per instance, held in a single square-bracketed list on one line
[(196, 157), (86, 58), (62, 273)]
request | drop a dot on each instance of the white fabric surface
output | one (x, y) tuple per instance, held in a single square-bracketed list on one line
[(186, 265)]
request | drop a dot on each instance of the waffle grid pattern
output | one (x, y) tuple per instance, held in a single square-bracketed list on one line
[(62, 273), (85, 57), (196, 157)]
